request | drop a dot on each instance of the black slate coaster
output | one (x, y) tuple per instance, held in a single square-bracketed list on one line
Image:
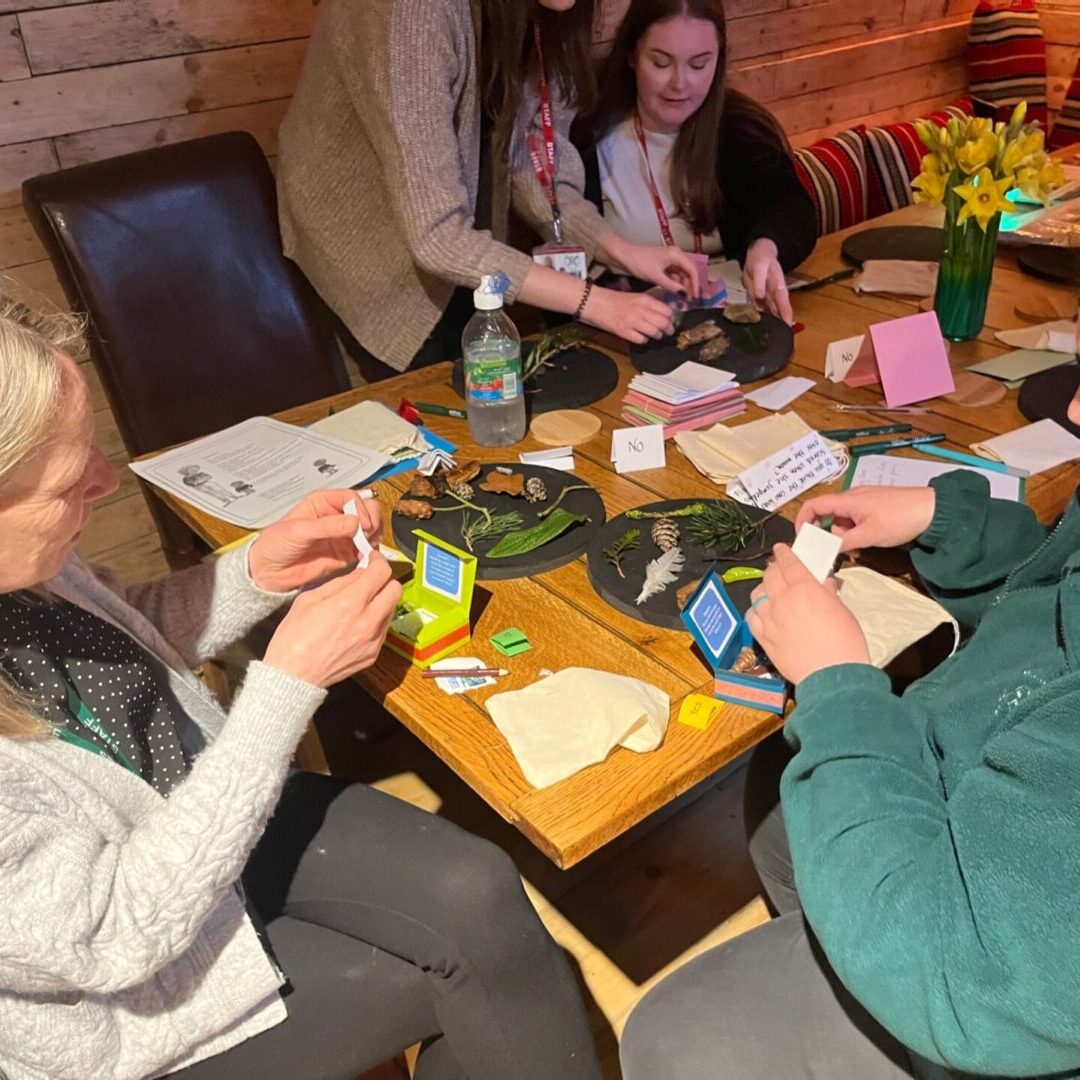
[(662, 609), (1051, 264), (756, 351), (1046, 395), (909, 243), (551, 556), (576, 378)]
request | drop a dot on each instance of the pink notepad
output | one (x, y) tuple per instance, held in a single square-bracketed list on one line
[(911, 359)]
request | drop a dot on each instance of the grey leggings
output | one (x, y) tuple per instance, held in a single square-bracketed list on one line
[(395, 927), (767, 1004)]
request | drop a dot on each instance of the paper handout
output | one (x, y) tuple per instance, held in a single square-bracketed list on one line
[(784, 475)]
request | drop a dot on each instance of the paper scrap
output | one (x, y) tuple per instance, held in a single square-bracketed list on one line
[(1058, 336), (560, 457), (778, 395), (840, 355), (898, 277), (511, 641), (698, 378), (817, 549), (911, 359), (1012, 368), (698, 711), (360, 540), (433, 460), (1035, 447), (461, 684), (637, 448), (789, 472)]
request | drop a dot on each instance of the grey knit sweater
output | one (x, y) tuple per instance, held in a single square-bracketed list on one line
[(379, 167), (125, 950)]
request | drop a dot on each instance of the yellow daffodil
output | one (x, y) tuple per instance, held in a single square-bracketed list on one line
[(977, 154), (1039, 181), (930, 186), (1018, 115), (983, 198)]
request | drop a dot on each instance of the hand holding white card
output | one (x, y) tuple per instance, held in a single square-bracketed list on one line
[(817, 549), (360, 540), (636, 448)]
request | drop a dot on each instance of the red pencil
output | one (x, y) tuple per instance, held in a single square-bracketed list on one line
[(464, 673)]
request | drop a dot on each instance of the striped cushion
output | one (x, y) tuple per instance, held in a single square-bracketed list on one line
[(894, 155), (1006, 59), (1067, 128), (833, 171)]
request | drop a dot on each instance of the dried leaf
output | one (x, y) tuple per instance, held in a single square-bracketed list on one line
[(742, 314), (414, 508), (463, 473), (699, 334), (498, 484), (422, 488), (714, 349), (660, 573)]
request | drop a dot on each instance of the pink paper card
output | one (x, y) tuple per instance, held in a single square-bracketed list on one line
[(911, 359), (864, 370)]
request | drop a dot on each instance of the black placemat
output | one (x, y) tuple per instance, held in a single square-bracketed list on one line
[(756, 351), (1046, 395), (1051, 263), (909, 243), (663, 609), (576, 378), (563, 549)]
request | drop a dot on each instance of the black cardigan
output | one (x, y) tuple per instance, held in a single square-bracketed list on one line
[(761, 193)]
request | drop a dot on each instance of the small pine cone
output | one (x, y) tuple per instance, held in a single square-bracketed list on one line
[(665, 533), (535, 490), (463, 489)]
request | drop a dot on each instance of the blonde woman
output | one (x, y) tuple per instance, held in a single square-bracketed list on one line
[(137, 849)]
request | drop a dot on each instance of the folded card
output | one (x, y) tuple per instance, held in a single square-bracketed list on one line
[(911, 359)]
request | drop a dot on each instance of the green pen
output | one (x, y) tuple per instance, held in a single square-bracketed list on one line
[(894, 444), (843, 434), (439, 410)]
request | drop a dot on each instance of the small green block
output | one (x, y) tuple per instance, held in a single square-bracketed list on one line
[(510, 642)]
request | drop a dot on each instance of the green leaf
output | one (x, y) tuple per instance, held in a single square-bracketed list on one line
[(742, 573), (521, 543)]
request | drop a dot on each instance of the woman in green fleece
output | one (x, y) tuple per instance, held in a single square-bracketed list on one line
[(925, 865)]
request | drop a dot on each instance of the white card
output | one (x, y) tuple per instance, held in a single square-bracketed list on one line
[(636, 448), (839, 357), (1036, 447), (363, 545), (778, 395), (789, 472), (817, 549), (1062, 341), (694, 376)]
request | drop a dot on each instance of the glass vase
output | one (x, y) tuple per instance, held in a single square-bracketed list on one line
[(967, 267)]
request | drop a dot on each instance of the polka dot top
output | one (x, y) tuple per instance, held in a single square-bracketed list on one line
[(47, 646)]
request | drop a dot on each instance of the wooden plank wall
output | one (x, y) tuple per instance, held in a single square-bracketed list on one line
[(86, 79)]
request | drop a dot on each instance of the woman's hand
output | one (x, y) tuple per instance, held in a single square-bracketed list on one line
[(337, 629), (801, 624), (313, 540), (633, 316), (763, 277), (668, 267), (873, 516)]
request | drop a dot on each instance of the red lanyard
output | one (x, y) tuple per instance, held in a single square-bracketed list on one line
[(543, 159), (661, 213)]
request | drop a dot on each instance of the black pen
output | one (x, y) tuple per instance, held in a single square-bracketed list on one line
[(843, 434), (894, 444), (820, 283)]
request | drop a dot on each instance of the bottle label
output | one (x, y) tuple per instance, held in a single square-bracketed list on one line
[(493, 379)]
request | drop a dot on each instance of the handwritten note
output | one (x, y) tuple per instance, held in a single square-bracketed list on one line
[(789, 472), (638, 448)]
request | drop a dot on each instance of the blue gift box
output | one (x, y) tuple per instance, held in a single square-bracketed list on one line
[(721, 633)]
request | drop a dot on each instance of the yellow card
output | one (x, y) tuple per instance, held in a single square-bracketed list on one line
[(698, 711)]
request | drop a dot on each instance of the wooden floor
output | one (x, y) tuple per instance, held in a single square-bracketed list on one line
[(627, 916)]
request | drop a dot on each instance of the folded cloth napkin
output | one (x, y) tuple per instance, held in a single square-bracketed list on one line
[(372, 424), (575, 718), (1059, 336), (722, 452), (898, 276), (892, 616), (1035, 447)]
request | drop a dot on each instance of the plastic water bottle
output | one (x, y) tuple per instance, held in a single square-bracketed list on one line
[(494, 390)]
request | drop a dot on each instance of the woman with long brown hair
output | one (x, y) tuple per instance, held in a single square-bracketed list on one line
[(682, 158), (400, 160)]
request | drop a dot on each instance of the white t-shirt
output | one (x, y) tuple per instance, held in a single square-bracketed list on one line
[(624, 180)]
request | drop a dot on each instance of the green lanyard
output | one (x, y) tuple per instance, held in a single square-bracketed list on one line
[(83, 714)]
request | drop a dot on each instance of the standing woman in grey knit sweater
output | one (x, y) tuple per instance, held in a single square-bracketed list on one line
[(402, 151), (173, 901)]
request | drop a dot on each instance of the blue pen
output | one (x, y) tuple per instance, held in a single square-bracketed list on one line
[(978, 462), (894, 444)]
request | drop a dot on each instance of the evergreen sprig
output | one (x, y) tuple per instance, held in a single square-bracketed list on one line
[(627, 542)]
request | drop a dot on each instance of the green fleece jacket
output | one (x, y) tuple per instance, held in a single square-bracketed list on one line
[(936, 836)]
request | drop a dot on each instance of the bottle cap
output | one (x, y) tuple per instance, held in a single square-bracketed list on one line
[(489, 297)]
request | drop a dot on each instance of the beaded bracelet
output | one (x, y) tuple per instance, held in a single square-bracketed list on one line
[(584, 300)]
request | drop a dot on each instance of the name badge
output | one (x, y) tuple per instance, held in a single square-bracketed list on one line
[(568, 260)]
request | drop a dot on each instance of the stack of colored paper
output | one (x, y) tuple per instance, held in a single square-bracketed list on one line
[(692, 396)]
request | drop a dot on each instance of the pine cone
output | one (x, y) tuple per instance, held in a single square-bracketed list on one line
[(665, 533), (462, 489), (535, 490)]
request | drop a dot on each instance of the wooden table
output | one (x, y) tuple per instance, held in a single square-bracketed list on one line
[(569, 624)]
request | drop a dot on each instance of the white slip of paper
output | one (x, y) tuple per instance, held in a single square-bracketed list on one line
[(786, 474), (363, 545), (778, 395), (1034, 447), (431, 461), (560, 457), (461, 684), (816, 549)]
